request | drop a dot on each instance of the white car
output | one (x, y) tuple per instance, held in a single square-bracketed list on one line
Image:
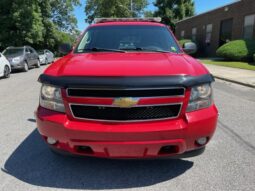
[(45, 56), (5, 67)]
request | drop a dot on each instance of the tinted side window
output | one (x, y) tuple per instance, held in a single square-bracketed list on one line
[(31, 50)]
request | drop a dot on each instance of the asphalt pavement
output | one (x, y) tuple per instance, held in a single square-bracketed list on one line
[(26, 163)]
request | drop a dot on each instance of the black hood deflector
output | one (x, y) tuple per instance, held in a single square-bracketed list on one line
[(126, 82)]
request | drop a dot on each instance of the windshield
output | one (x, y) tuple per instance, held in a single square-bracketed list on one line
[(128, 38), (40, 52), (11, 51)]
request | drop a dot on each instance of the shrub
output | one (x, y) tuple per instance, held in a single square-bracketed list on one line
[(238, 50), (253, 57), (183, 41)]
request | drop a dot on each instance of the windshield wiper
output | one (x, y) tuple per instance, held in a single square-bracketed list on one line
[(96, 49), (145, 49)]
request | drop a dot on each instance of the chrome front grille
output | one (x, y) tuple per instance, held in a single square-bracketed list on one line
[(125, 112)]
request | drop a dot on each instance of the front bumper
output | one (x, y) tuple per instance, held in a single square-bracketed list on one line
[(18, 66), (128, 140), (42, 60)]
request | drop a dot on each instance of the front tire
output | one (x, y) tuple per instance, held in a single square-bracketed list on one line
[(26, 68), (193, 153), (7, 72), (38, 64)]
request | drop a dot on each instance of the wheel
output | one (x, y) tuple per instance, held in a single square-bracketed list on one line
[(38, 64), (7, 72), (25, 69), (59, 152), (193, 153)]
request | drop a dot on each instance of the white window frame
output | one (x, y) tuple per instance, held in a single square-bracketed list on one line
[(182, 33), (208, 34), (249, 21), (194, 34)]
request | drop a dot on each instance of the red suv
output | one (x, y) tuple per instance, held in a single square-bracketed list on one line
[(127, 90)]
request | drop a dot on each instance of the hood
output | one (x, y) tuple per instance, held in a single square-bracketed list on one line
[(41, 56), (126, 64)]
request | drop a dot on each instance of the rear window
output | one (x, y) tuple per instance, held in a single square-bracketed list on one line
[(129, 38)]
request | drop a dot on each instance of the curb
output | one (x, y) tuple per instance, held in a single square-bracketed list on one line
[(234, 81)]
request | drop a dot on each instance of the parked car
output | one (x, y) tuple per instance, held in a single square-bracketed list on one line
[(22, 58), (127, 90), (46, 56), (5, 67)]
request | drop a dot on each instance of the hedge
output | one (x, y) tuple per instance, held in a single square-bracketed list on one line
[(238, 50)]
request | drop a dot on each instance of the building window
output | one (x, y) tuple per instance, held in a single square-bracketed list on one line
[(182, 34), (249, 22), (194, 34), (208, 35)]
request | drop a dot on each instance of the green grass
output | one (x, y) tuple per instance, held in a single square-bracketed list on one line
[(241, 65)]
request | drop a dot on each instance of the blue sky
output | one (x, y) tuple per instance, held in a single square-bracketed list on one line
[(200, 7)]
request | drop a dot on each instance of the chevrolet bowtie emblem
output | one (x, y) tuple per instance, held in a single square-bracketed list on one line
[(125, 102)]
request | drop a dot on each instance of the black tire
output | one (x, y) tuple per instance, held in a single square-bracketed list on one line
[(25, 68), (193, 153), (7, 72), (38, 64), (59, 152)]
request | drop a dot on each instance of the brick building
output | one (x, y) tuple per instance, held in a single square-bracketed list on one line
[(216, 27)]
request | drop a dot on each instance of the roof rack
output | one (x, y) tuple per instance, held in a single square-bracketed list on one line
[(105, 20)]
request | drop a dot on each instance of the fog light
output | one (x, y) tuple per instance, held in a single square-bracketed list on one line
[(51, 141), (201, 141)]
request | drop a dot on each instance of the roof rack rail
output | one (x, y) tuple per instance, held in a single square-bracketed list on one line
[(105, 20)]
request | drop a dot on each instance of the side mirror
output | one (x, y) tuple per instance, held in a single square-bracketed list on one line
[(190, 47), (65, 48)]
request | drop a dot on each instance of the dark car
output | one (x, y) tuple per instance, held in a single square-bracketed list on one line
[(22, 58)]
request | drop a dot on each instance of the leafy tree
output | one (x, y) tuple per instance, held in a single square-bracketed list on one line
[(174, 10), (40, 23), (61, 14), (59, 22), (114, 8), (20, 22), (148, 14)]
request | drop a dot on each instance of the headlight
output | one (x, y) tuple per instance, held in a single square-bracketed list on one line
[(51, 98), (16, 59), (200, 98)]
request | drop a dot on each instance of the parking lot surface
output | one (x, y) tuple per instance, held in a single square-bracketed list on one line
[(26, 163)]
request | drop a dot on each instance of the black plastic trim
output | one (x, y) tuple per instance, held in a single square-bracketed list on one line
[(125, 82)]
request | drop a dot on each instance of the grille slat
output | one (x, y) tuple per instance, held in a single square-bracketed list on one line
[(140, 113), (178, 91)]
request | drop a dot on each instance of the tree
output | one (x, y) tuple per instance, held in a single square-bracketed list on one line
[(40, 23), (59, 22), (114, 8), (20, 22), (61, 14), (174, 10), (148, 14)]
